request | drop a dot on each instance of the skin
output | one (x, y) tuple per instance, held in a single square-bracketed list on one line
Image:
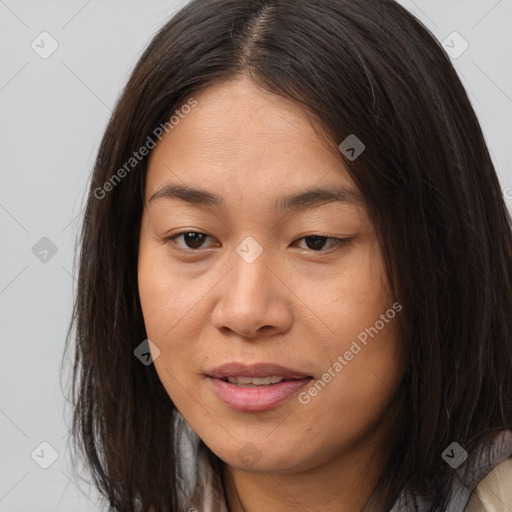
[(294, 305)]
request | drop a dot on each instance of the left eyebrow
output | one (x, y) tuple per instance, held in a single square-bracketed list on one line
[(312, 197), (303, 200)]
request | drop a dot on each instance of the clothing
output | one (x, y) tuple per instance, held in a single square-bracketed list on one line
[(494, 493), (489, 489)]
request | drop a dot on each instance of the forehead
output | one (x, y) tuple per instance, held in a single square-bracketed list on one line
[(248, 144)]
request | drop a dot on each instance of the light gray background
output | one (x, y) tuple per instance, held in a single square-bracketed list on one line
[(53, 113)]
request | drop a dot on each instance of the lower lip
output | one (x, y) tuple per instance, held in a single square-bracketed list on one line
[(256, 398)]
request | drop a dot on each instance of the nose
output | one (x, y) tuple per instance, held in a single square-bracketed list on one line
[(255, 301)]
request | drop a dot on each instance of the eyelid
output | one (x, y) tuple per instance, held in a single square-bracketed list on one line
[(339, 243)]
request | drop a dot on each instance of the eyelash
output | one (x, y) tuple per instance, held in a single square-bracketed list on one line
[(339, 243)]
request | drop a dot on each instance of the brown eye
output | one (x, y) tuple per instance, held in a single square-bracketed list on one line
[(317, 242), (192, 240)]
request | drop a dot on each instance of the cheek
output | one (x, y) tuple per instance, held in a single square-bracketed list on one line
[(369, 356), (162, 314), (161, 310), (158, 299), (362, 356), (165, 294), (172, 308), (352, 397), (348, 299)]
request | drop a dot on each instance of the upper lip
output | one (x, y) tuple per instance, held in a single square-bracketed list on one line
[(254, 370)]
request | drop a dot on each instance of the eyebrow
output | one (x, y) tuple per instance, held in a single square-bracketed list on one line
[(308, 198)]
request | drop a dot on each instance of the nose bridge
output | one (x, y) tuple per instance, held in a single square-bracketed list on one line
[(250, 279), (251, 298)]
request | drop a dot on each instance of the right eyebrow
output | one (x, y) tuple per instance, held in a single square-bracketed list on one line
[(188, 194)]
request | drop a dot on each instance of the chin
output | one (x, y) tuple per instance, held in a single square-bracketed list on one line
[(250, 458)]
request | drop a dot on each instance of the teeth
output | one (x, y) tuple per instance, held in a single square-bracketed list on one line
[(254, 381)]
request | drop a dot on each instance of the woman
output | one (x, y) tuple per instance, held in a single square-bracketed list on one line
[(296, 265)]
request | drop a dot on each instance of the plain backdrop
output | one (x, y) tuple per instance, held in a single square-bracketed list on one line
[(53, 113)]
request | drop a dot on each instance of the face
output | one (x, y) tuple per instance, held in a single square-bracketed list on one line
[(243, 277)]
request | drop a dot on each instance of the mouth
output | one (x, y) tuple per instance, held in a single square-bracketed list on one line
[(257, 387), (255, 371), (258, 381)]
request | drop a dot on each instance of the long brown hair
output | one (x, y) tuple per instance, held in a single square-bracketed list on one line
[(361, 67)]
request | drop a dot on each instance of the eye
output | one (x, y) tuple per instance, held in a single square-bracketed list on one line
[(192, 240), (317, 242)]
